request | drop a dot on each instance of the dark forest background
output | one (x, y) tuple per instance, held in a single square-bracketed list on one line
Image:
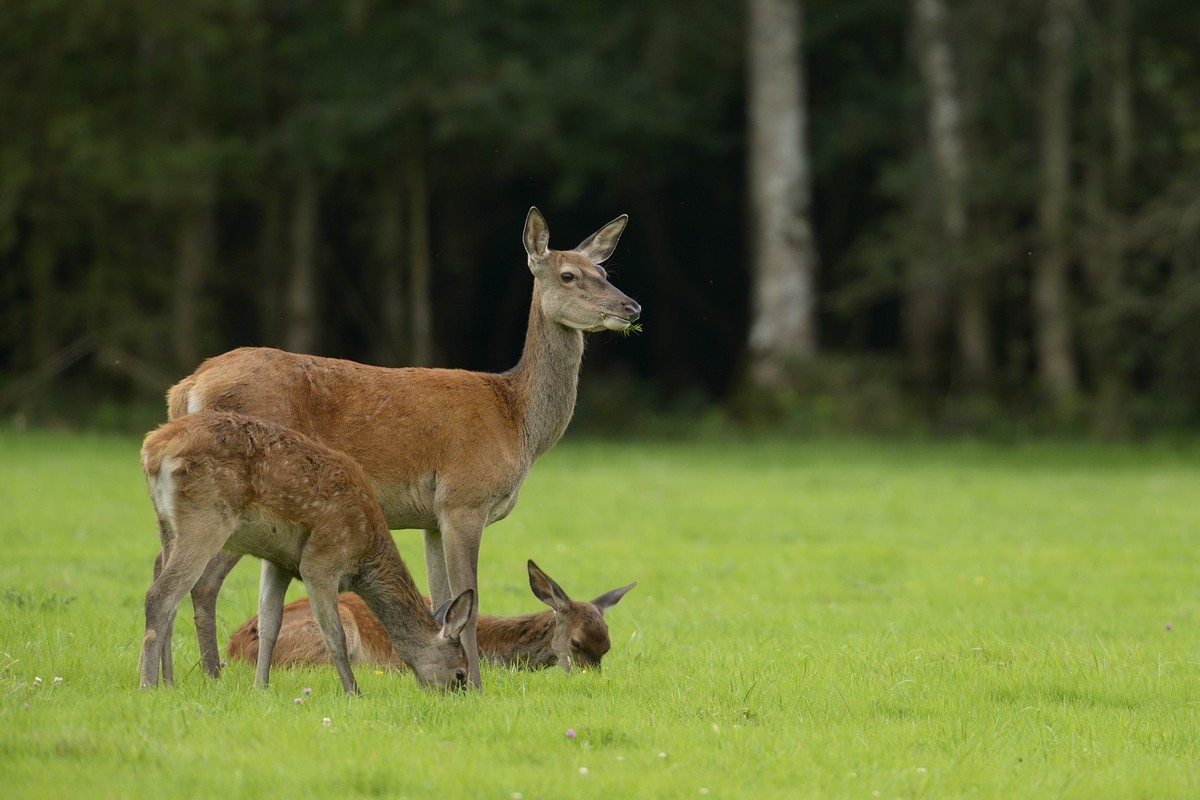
[(1001, 199)]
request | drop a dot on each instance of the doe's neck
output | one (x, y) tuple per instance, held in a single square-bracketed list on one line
[(545, 381)]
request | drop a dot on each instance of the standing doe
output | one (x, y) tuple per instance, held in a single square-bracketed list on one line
[(446, 450), (221, 480), (573, 633)]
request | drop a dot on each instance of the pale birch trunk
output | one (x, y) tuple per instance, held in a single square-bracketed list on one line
[(782, 314), (935, 57), (1051, 303)]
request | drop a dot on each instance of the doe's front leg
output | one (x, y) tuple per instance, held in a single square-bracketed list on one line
[(462, 533), (272, 587)]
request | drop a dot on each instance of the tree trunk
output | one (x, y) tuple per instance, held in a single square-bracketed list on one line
[(1106, 190), (947, 146), (300, 327), (924, 321), (272, 253), (419, 259), (392, 346), (193, 258), (43, 335), (782, 325), (1051, 311), (948, 150), (671, 334)]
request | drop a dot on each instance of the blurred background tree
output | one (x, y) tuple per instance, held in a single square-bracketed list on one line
[(993, 225)]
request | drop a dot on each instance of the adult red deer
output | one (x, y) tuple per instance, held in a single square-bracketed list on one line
[(572, 633), (221, 480), (446, 450)]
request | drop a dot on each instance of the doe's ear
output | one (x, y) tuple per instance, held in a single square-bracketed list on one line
[(601, 244), (454, 614), (609, 599), (536, 235), (545, 589)]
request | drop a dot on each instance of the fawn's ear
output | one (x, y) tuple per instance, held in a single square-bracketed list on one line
[(454, 614), (536, 236), (545, 589), (600, 245), (609, 599)]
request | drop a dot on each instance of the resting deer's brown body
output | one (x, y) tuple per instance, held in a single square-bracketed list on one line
[(221, 480), (446, 450), (572, 633)]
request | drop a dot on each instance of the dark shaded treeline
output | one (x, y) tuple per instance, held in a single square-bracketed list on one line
[(350, 178)]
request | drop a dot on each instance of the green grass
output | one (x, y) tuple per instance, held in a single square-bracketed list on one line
[(828, 619)]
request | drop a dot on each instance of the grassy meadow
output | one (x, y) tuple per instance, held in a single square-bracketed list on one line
[(814, 619)]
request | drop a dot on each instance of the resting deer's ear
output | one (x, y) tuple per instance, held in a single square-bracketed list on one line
[(609, 599), (600, 245), (536, 236), (454, 614), (545, 589)]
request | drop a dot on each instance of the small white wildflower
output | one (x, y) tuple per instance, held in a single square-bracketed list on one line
[(517, 796), (57, 680), (662, 755), (583, 770), (920, 770), (703, 790), (326, 722), (716, 729), (298, 700), (37, 681)]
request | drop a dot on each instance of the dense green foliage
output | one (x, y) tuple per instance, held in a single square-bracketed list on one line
[(152, 145), (832, 620)]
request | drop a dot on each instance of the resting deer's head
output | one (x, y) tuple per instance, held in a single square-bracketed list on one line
[(574, 288), (580, 634)]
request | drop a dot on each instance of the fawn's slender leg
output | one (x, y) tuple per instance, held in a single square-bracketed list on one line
[(181, 570), (204, 606), (322, 596)]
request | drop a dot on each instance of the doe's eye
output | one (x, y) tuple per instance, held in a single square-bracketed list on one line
[(575, 645), (567, 277)]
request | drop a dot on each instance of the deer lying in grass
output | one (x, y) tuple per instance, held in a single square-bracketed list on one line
[(572, 633), (446, 450), (222, 480)]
